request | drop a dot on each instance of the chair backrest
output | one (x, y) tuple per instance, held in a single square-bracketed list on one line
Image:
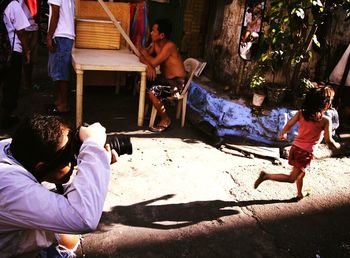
[(190, 65)]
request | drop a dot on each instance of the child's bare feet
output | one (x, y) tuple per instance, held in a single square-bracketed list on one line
[(301, 196), (260, 179)]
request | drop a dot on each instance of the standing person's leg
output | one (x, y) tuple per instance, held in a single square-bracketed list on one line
[(33, 41), (27, 72), (62, 99), (59, 67), (11, 86)]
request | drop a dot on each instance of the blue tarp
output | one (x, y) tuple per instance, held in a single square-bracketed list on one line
[(235, 117)]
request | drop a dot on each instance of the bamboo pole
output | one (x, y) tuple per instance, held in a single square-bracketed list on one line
[(119, 27)]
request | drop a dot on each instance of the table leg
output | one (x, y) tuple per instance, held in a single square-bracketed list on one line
[(79, 98), (142, 99)]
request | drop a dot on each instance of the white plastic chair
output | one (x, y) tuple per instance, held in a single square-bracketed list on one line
[(191, 65)]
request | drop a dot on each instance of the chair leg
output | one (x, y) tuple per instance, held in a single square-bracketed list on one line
[(184, 106), (153, 116), (178, 108)]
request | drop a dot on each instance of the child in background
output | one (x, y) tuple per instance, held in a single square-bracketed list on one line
[(313, 126)]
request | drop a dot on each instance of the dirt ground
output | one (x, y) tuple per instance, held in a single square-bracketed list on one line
[(179, 196)]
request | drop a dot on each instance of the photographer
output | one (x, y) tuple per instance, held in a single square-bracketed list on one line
[(43, 149)]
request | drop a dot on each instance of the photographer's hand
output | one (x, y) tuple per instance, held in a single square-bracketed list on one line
[(112, 152), (95, 131)]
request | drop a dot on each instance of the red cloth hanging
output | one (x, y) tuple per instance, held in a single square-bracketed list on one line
[(32, 6), (139, 23)]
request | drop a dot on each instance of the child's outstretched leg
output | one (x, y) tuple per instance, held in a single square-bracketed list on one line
[(291, 178), (274, 177)]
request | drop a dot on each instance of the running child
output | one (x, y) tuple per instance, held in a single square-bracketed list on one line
[(313, 126)]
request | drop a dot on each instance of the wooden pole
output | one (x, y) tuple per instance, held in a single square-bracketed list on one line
[(119, 27)]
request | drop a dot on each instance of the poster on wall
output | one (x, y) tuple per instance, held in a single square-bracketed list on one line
[(251, 27)]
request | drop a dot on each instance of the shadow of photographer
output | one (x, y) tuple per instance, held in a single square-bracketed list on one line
[(172, 216)]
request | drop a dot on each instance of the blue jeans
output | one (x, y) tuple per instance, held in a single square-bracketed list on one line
[(60, 61)]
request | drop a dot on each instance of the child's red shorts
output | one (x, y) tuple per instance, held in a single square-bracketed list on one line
[(299, 158)]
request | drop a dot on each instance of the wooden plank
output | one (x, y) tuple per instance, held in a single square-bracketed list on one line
[(100, 34), (120, 28), (261, 151), (93, 10)]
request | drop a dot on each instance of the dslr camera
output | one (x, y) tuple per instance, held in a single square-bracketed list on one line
[(120, 143)]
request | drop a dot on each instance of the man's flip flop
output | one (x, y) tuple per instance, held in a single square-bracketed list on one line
[(159, 128)]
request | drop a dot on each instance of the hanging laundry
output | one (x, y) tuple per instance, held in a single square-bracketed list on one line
[(33, 7), (139, 30)]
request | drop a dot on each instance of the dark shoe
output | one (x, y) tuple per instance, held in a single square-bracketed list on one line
[(9, 122), (53, 111)]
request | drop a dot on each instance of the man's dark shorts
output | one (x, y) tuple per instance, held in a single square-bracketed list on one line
[(163, 88)]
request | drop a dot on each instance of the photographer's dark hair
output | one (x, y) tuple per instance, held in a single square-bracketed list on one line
[(316, 100), (164, 26), (36, 140)]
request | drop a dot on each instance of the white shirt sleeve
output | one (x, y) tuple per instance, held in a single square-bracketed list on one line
[(32, 206), (15, 19)]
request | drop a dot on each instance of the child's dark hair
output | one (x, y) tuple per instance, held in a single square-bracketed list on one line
[(164, 26), (316, 100)]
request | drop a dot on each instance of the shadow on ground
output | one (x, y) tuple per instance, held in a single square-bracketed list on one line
[(309, 234), (181, 215)]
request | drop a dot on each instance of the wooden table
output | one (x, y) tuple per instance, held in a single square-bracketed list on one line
[(106, 60)]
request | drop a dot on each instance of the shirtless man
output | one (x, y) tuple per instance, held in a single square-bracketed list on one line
[(162, 52)]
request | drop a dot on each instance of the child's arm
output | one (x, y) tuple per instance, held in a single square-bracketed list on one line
[(288, 126), (331, 143)]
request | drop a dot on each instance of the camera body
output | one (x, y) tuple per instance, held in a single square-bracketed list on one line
[(120, 143)]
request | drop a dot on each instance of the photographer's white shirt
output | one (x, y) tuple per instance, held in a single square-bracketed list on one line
[(30, 213)]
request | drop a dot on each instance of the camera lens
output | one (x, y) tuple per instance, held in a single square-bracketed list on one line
[(120, 143)]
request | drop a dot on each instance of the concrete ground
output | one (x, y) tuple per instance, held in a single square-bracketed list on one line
[(179, 196)]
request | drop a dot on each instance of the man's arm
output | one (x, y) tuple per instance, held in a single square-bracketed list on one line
[(55, 15), (77, 211), (22, 35), (150, 70), (161, 57)]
